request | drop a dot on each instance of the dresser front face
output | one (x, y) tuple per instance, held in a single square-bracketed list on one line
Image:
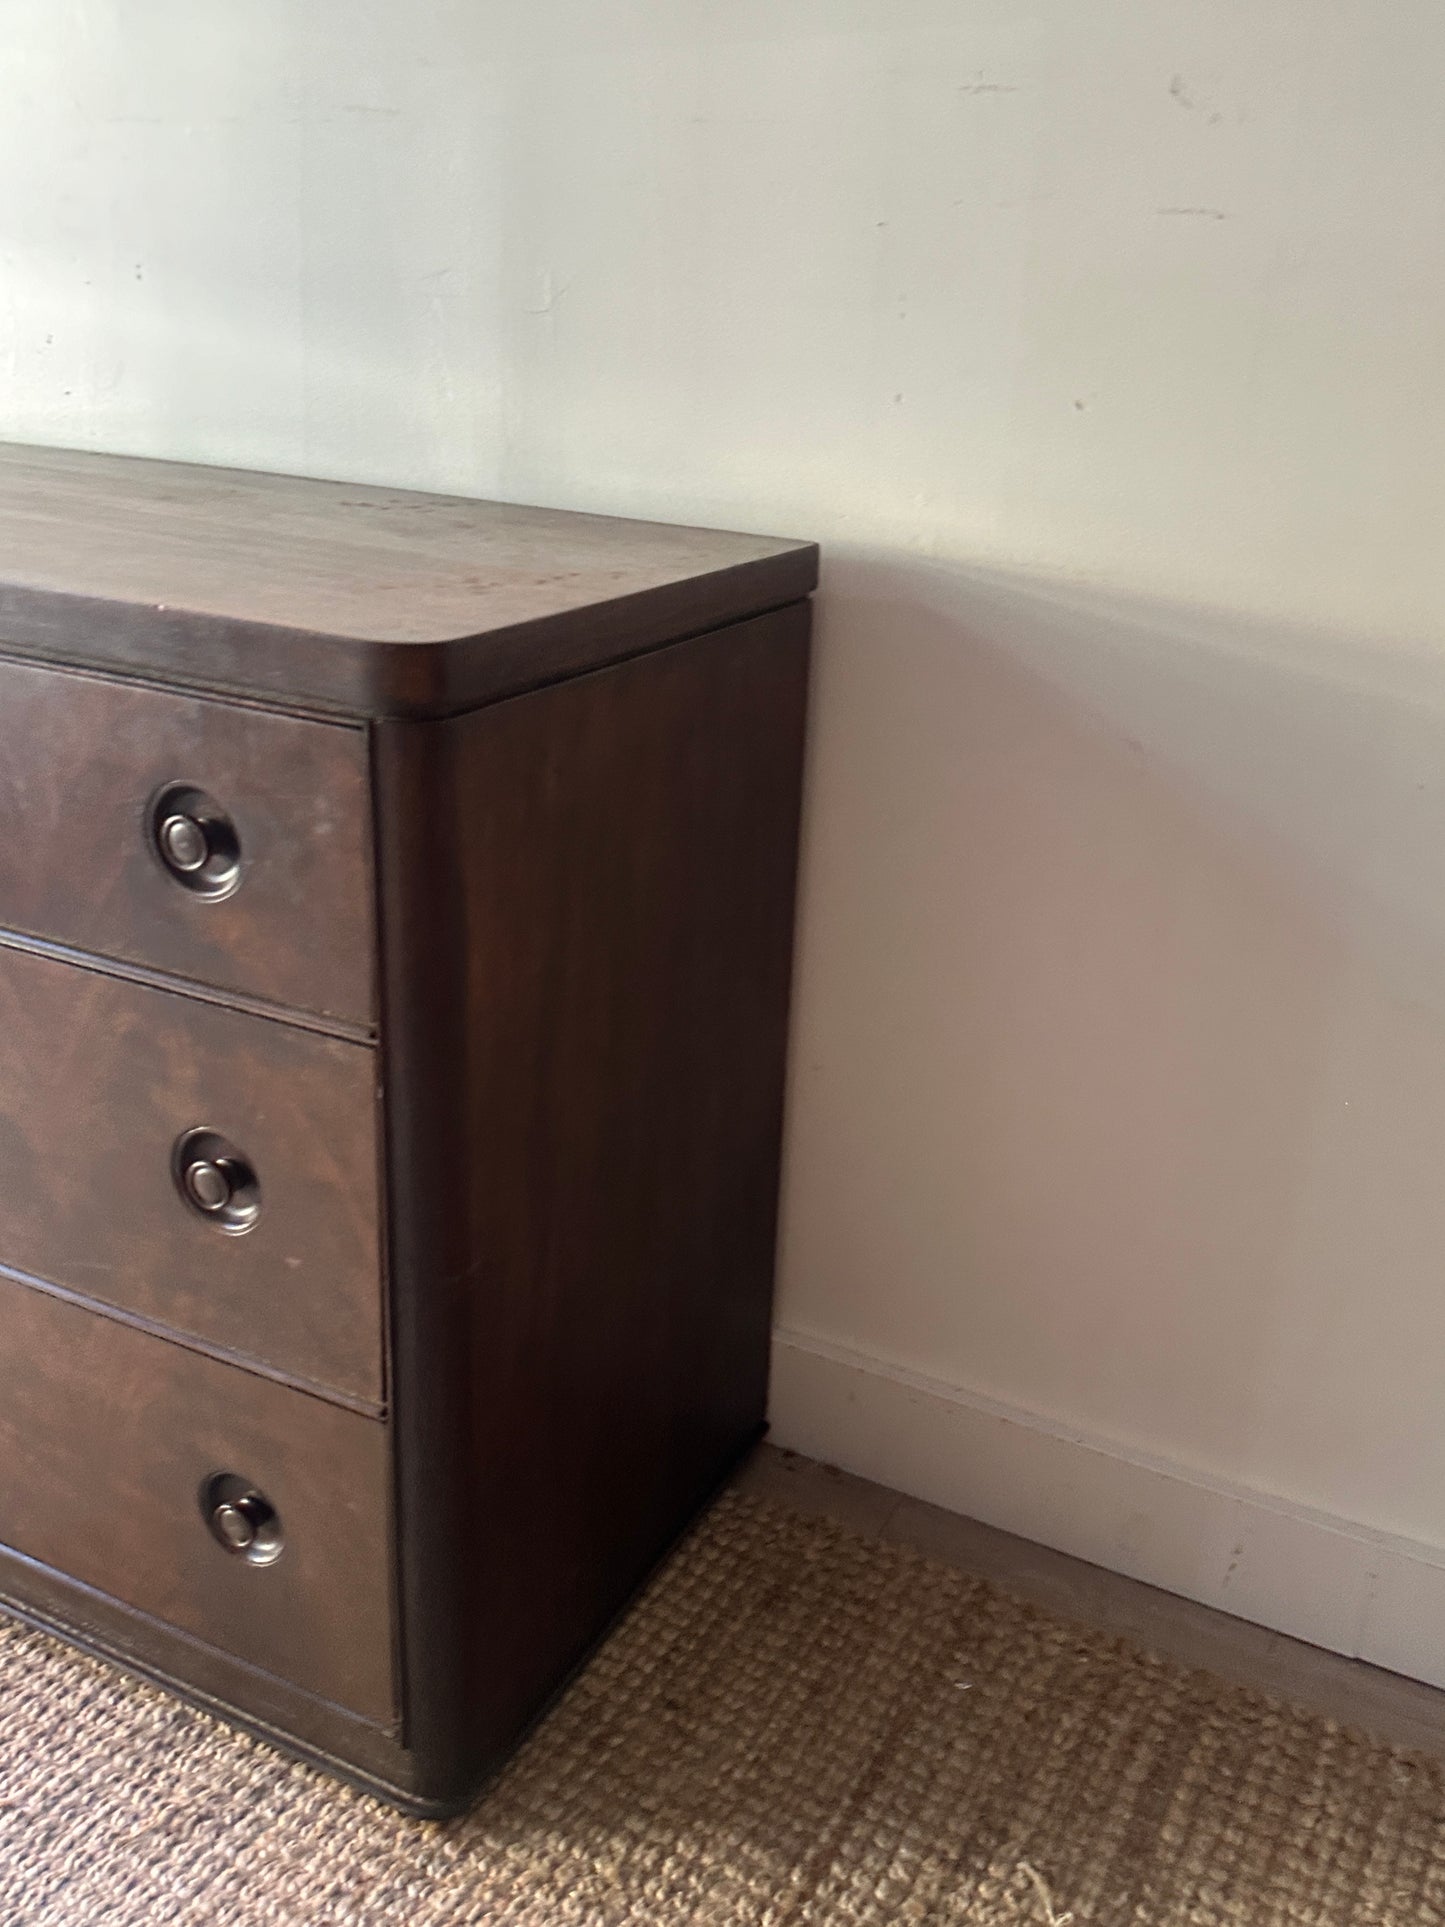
[(193, 1384)]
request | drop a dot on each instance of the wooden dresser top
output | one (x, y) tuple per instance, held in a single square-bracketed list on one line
[(358, 601)]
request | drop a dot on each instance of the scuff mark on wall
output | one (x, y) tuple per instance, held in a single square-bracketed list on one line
[(1188, 99)]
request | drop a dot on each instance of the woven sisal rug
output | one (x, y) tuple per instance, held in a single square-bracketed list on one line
[(797, 1725)]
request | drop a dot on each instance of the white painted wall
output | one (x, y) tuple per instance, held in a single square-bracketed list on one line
[(1102, 347)]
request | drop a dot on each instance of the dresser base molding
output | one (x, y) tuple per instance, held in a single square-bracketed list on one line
[(296, 1722), (303, 1727)]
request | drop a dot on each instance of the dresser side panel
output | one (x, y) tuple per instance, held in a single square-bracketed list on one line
[(588, 899)]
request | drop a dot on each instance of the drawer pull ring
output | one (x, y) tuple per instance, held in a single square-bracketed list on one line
[(217, 1181), (195, 840), (242, 1520)]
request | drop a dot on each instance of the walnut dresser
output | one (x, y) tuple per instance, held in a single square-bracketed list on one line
[(396, 905)]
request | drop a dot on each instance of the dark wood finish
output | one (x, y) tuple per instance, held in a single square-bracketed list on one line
[(497, 1015), (99, 1078), (368, 601), (106, 1438), (150, 979), (587, 904), (80, 759), (363, 1751)]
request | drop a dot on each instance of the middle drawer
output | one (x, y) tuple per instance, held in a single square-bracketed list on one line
[(208, 1170)]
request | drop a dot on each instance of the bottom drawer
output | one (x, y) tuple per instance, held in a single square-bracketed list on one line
[(247, 1514)]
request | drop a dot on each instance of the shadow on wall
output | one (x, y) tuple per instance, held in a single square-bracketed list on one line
[(1119, 1074)]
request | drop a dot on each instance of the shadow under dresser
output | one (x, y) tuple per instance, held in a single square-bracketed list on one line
[(396, 907)]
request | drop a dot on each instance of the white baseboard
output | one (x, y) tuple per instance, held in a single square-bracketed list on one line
[(1331, 1581)]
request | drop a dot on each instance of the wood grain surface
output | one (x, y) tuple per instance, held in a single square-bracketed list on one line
[(107, 1436), (366, 600), (80, 759), (99, 1078), (517, 799), (588, 908)]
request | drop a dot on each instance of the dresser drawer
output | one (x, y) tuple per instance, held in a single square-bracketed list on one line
[(116, 1449), (268, 885), (112, 1095)]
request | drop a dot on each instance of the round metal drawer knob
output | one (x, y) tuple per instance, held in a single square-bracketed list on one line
[(216, 1180), (184, 844), (194, 840), (207, 1185), (241, 1519), (235, 1522)]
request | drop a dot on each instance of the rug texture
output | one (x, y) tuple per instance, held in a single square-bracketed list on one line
[(796, 1725)]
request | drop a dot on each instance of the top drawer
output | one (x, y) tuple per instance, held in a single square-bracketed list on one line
[(267, 888)]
